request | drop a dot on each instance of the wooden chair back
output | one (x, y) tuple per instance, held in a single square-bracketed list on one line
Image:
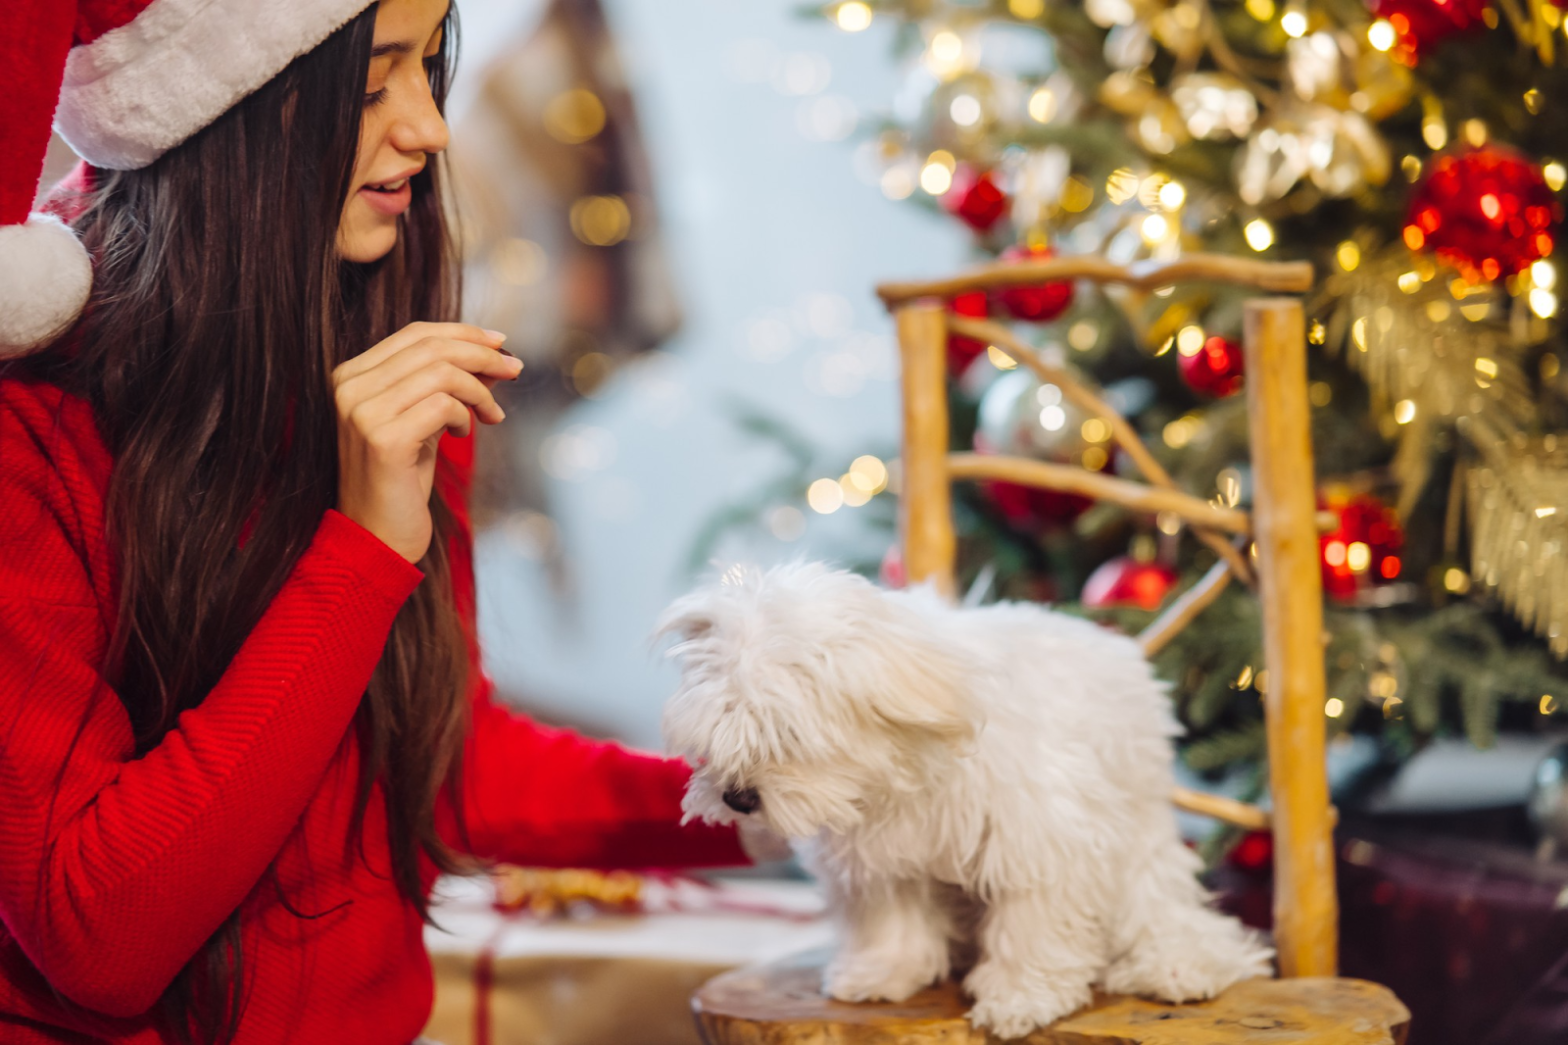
[(1281, 525)]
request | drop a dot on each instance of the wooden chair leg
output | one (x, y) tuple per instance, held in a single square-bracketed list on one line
[(925, 497), (1306, 917)]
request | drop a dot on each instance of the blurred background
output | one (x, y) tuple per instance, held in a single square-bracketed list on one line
[(685, 255)]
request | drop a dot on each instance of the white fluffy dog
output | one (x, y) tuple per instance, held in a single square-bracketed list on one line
[(992, 780)]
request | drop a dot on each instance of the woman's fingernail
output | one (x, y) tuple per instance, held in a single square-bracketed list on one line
[(495, 335)]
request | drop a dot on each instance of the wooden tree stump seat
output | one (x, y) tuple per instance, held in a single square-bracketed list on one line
[(781, 1003)]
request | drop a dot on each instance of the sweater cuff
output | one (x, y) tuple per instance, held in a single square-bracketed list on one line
[(384, 570)]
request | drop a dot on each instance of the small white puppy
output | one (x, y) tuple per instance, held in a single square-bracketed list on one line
[(971, 785)]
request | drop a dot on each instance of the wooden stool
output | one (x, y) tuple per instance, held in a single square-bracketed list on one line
[(782, 1003)]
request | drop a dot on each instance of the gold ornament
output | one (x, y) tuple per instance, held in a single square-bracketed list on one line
[(1214, 105)]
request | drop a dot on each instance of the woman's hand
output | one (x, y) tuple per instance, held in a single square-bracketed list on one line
[(394, 402)]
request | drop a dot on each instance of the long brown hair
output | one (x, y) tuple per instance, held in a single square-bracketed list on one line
[(219, 309)]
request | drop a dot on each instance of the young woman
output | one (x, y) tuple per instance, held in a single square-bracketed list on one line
[(242, 722)]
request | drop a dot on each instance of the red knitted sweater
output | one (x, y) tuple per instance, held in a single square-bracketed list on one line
[(114, 870)]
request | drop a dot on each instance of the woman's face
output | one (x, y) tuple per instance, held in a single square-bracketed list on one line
[(401, 129)]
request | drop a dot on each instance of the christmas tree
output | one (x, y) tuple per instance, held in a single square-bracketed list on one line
[(1414, 152)]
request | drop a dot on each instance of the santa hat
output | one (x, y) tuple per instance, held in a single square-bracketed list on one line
[(132, 79)]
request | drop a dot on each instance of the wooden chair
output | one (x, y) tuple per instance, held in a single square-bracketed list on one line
[(783, 1003)]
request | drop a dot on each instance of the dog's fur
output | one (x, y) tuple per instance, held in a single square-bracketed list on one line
[(994, 779)]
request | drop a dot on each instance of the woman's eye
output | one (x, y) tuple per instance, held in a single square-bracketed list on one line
[(375, 97)]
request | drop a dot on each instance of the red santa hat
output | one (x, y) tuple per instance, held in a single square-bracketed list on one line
[(124, 81)]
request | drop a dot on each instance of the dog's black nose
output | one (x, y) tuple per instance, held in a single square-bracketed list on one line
[(743, 799)]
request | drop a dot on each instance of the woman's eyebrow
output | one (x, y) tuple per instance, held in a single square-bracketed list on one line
[(395, 47)]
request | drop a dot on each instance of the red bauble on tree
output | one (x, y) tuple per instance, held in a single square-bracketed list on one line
[(1214, 369), (1421, 24), (1488, 212), (891, 572), (1126, 582), (1363, 550), (1038, 302), (961, 350), (975, 198)]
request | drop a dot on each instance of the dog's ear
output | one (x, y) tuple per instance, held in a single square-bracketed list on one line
[(917, 679), (689, 617)]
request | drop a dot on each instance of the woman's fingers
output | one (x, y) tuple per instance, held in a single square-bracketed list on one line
[(421, 384), (428, 353), (428, 418), (414, 333)]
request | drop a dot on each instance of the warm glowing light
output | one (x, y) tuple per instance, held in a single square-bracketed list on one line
[(1077, 195), (1358, 333), (1122, 185), (1415, 239), (1381, 34), (1155, 228), (1095, 430), (1548, 704), (1486, 367), (936, 178), (1262, 10), (1456, 580), (1294, 23), (1434, 132), (853, 16), (1027, 10), (1409, 282), (1189, 341), (965, 110), (1259, 234), (1389, 567), (1334, 553), (854, 494), (1490, 205), (1543, 275), (869, 472), (1543, 303), (1333, 707), (1083, 335), (1180, 432), (600, 221), (1546, 511), (1172, 195), (1358, 556), (1168, 523), (1474, 132), (1405, 411), (1317, 333), (825, 496), (1052, 418), (1042, 105), (946, 48), (1348, 254), (1556, 175), (574, 116), (999, 359), (1094, 458)]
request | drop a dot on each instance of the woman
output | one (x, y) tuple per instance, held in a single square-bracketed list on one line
[(242, 723)]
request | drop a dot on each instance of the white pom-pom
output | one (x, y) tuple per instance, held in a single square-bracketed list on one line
[(45, 276)]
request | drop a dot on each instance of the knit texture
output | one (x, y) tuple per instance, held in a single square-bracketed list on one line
[(114, 870)]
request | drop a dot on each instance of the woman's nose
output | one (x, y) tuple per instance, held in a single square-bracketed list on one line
[(743, 799)]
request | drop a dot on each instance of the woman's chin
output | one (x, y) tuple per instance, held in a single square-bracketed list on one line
[(368, 242)]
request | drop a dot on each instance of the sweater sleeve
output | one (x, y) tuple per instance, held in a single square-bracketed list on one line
[(114, 869), (548, 797)]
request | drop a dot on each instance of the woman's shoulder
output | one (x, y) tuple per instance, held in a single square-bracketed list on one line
[(40, 419)]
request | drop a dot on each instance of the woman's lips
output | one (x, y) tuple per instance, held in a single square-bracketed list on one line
[(389, 203)]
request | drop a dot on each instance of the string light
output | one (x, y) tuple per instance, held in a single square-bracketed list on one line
[(853, 16), (1042, 105), (1333, 707), (1259, 234), (1294, 22), (825, 496), (1381, 34)]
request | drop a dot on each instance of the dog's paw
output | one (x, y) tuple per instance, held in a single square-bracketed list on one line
[(1191, 969), (1010, 1005), (871, 977)]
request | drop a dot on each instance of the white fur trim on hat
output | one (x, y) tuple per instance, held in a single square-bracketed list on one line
[(45, 276), (138, 91)]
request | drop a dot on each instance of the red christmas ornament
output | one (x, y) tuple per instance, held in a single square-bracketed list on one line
[(1028, 508), (1487, 212), (1041, 302), (1254, 852), (1363, 550), (975, 198), (1124, 581), (961, 350), (1420, 24), (1215, 369)]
